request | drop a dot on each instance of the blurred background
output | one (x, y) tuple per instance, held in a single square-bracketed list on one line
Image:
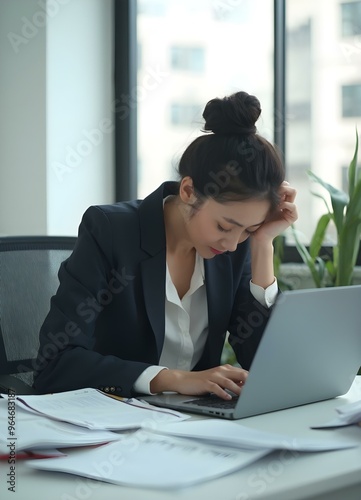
[(99, 98)]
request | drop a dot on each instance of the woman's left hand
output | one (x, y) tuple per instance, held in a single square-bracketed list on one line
[(280, 219)]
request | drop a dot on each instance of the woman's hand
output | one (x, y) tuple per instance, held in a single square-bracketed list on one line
[(261, 240), (214, 380), (283, 217)]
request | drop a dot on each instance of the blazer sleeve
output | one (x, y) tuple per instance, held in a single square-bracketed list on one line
[(66, 358), (248, 319)]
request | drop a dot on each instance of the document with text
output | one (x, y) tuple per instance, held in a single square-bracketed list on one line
[(95, 410), (32, 431), (224, 433), (147, 460)]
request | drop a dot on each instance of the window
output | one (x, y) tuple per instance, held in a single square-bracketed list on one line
[(299, 111), (351, 100), (154, 8), (193, 51), (351, 18), (320, 93), (185, 114), (188, 58)]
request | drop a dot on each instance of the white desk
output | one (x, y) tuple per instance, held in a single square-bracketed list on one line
[(281, 476)]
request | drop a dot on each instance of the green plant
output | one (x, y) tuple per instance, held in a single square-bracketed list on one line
[(278, 247), (345, 214)]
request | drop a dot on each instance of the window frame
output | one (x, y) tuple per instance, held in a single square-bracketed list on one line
[(125, 98), (125, 84)]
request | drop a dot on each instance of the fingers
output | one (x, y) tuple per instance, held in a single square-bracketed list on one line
[(289, 211), (287, 192), (287, 206), (216, 380), (228, 378)]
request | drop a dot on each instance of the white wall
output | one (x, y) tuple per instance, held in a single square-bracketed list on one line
[(79, 112), (22, 121), (56, 135)]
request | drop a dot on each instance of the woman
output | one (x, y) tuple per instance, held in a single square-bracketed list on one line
[(152, 287)]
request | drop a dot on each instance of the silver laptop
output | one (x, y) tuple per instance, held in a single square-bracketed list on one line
[(310, 351)]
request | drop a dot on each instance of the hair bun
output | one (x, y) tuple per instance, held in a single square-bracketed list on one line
[(233, 115)]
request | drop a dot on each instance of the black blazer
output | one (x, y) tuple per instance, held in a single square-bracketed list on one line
[(106, 322)]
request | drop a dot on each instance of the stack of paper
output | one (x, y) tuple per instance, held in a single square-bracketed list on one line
[(95, 410), (186, 451), (235, 435), (180, 461), (148, 460), (35, 432), (70, 419)]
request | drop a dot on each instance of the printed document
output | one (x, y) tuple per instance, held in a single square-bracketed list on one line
[(224, 433), (148, 460), (33, 431), (95, 410)]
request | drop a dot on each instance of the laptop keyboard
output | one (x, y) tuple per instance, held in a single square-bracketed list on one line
[(214, 402)]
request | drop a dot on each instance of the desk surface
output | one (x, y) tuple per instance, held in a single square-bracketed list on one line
[(283, 475)]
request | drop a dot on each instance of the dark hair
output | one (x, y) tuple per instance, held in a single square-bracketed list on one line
[(231, 162)]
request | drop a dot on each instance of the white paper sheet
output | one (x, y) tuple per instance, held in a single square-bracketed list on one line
[(148, 460), (94, 410), (225, 433), (351, 411), (34, 453), (35, 431), (348, 414)]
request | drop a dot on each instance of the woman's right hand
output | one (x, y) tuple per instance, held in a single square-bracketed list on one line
[(195, 383)]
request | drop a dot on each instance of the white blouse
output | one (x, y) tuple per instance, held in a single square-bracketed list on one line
[(186, 324)]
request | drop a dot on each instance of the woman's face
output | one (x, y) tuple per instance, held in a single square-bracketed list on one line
[(219, 227)]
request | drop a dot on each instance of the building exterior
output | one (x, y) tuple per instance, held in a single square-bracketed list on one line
[(194, 50)]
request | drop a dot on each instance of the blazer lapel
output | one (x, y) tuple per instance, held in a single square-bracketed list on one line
[(153, 277), (153, 267)]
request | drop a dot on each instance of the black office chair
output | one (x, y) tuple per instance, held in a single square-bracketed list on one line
[(28, 278)]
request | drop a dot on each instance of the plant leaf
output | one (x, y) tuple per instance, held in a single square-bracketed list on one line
[(352, 170), (348, 250), (339, 200), (320, 269), (307, 259), (319, 235), (330, 266), (318, 195), (353, 211)]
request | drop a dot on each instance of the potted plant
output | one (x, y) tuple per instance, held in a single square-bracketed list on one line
[(344, 212)]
